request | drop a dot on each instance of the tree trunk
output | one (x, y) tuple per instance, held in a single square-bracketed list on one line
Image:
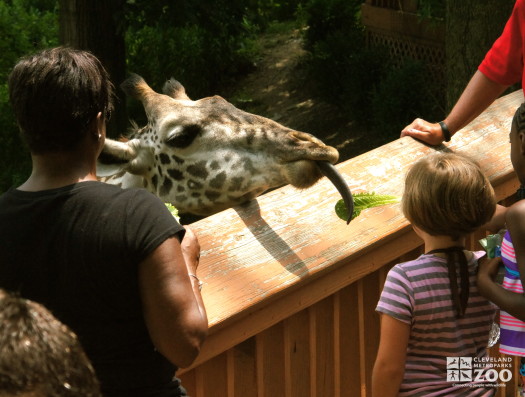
[(472, 26), (97, 26)]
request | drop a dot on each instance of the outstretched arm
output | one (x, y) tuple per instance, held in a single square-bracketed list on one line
[(172, 304), (511, 302), (477, 96), (498, 220), (389, 367)]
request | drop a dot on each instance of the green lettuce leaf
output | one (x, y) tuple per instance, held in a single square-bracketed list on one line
[(363, 201), (174, 211)]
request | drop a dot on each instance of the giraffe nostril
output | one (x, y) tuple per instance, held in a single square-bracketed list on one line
[(302, 136)]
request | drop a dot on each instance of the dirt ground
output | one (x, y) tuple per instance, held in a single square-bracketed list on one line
[(278, 89)]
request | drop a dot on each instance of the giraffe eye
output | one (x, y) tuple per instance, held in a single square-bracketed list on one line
[(183, 136)]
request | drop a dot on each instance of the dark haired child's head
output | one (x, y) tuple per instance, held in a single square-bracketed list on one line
[(55, 95), (517, 143), (40, 356), (447, 194)]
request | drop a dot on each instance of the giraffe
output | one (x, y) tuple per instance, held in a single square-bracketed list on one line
[(205, 156)]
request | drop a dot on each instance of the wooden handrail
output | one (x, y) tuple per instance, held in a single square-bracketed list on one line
[(286, 251)]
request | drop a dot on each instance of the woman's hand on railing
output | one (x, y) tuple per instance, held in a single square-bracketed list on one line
[(424, 131)]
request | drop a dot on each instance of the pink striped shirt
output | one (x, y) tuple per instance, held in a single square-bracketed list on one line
[(418, 293), (512, 330)]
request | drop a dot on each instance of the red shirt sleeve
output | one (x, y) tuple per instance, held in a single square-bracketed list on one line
[(503, 63)]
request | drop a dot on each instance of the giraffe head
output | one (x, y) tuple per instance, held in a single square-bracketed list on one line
[(205, 156)]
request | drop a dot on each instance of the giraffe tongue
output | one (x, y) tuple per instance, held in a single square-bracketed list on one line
[(328, 170)]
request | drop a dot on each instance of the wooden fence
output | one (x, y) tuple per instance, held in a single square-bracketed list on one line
[(290, 289)]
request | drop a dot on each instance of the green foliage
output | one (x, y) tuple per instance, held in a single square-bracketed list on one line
[(202, 43), (363, 201), (25, 26), (205, 44), (267, 11), (360, 79), (404, 93), (346, 71), (329, 19)]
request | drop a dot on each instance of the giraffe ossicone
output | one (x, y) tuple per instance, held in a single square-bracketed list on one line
[(205, 156)]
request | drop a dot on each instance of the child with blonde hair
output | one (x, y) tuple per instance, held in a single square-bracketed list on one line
[(432, 314)]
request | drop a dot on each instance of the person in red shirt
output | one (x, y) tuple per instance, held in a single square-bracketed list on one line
[(502, 67)]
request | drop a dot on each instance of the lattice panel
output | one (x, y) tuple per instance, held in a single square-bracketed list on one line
[(401, 48)]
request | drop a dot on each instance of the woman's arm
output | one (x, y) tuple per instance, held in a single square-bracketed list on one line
[(172, 304), (389, 367), (477, 96)]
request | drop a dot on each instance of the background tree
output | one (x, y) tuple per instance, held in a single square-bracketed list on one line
[(472, 26), (98, 26)]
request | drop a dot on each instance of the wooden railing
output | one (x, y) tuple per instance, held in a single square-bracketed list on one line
[(290, 289)]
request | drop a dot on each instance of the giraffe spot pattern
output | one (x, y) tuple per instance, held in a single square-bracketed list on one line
[(166, 187), (218, 180), (235, 183), (175, 174), (248, 166), (198, 170), (154, 181), (212, 195), (164, 158)]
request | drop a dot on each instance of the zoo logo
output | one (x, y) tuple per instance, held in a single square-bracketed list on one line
[(461, 369)]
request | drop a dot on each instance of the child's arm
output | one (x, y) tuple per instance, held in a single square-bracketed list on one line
[(389, 367), (511, 302), (498, 220)]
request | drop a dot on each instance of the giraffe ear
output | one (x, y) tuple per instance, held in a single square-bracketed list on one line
[(128, 156), (175, 89)]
